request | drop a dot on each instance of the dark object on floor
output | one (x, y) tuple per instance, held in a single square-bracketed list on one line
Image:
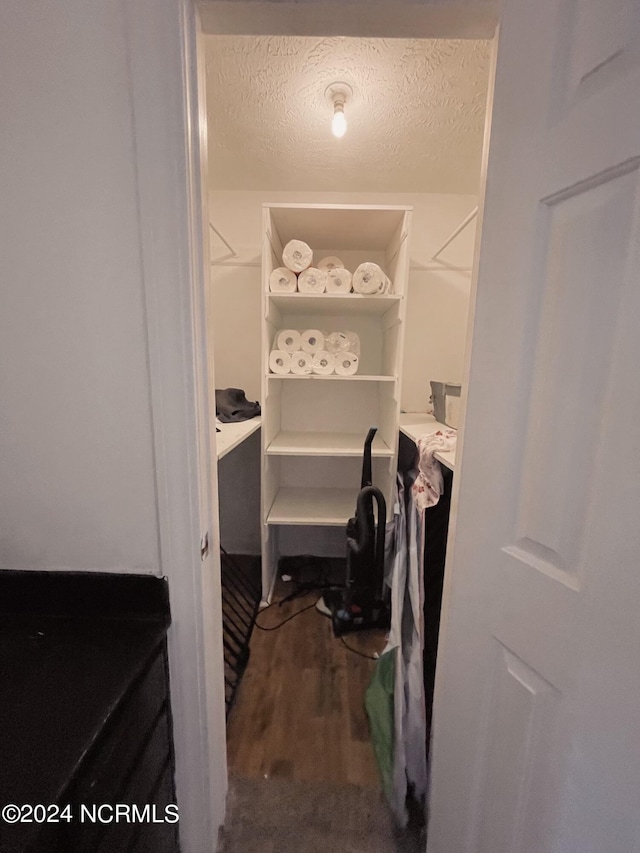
[(232, 406), (361, 605), (286, 816), (304, 573)]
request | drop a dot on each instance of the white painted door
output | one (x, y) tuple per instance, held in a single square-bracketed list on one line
[(537, 711)]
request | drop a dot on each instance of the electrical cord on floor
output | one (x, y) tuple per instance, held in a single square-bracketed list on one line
[(302, 588), (375, 656), (288, 619)]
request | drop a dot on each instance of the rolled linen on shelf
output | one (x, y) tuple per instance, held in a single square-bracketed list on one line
[(323, 363), (338, 280), (370, 279), (312, 280), (288, 340), (301, 363), (346, 363), (312, 341), (283, 280), (330, 263), (297, 256), (280, 361)]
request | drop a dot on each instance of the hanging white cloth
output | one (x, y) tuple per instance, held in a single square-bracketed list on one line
[(415, 718), (398, 585), (406, 636)]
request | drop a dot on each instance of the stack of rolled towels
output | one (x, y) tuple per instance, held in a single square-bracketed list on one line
[(329, 276), (315, 352)]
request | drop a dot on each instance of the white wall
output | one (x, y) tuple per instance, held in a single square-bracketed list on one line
[(94, 163), (438, 297), (76, 461)]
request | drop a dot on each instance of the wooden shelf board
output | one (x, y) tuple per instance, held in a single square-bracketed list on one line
[(329, 303), (320, 507), (288, 443), (313, 377)]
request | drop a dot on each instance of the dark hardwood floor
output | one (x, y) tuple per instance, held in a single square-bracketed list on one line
[(299, 712)]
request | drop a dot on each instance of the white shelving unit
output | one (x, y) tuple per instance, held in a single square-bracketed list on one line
[(313, 427)]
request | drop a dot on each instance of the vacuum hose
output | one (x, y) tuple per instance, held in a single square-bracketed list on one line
[(361, 529)]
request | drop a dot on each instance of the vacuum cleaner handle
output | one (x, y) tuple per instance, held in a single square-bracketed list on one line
[(367, 477), (364, 531)]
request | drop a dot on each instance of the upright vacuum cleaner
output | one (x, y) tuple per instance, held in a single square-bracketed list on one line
[(361, 603)]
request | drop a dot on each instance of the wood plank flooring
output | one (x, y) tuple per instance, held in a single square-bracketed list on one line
[(299, 712)]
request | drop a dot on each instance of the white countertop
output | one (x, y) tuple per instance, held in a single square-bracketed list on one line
[(231, 435), (412, 424), (415, 424)]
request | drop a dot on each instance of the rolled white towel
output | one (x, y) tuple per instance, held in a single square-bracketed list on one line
[(331, 262), (323, 363), (346, 363), (280, 362), (339, 280), (370, 279), (283, 280), (297, 256), (312, 341), (287, 340), (312, 280), (301, 363)]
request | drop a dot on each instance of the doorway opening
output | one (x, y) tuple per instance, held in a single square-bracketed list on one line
[(414, 138)]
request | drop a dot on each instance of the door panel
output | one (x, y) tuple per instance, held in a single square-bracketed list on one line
[(522, 712), (536, 735), (588, 233)]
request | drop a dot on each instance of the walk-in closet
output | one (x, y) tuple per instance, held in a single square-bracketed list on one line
[(398, 191)]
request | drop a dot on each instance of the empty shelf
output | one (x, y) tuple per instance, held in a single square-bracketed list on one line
[(331, 303), (325, 444), (324, 507), (338, 226)]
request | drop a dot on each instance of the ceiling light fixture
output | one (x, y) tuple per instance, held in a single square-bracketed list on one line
[(338, 94)]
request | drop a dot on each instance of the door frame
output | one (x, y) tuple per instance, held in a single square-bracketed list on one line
[(170, 139)]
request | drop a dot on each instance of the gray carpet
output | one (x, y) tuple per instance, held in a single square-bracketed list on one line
[(278, 815)]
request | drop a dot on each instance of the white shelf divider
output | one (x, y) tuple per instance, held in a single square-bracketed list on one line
[(324, 444), (313, 377), (329, 303), (322, 507)]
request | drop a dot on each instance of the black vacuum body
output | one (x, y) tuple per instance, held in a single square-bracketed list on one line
[(361, 604)]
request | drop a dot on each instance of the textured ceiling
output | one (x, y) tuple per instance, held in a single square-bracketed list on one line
[(415, 121)]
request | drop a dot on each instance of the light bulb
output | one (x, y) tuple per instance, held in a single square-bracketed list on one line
[(338, 122)]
